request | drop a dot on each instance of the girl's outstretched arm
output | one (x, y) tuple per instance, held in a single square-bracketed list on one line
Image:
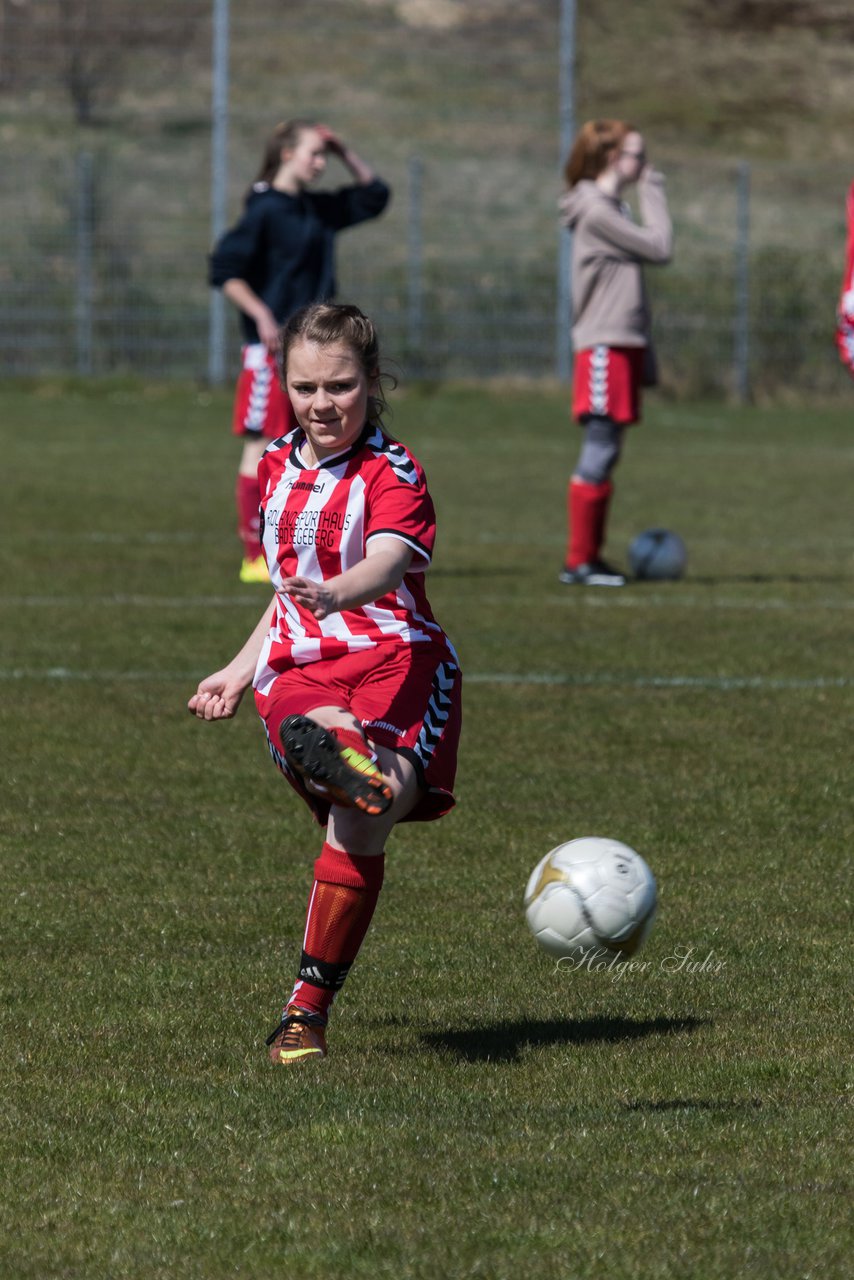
[(218, 695)]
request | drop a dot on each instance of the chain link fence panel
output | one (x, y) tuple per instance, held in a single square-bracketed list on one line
[(105, 121)]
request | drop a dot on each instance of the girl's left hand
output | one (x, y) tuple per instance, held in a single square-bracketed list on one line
[(314, 596)]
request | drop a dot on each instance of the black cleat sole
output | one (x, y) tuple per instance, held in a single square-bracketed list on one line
[(315, 754)]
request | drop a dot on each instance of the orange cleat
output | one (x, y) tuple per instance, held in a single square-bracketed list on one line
[(299, 1037)]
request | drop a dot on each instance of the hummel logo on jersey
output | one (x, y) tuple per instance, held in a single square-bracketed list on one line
[(384, 724), (304, 484)]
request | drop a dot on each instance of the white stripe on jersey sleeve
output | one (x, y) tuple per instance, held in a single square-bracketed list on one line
[(421, 565)]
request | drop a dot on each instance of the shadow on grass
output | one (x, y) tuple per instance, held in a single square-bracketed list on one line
[(474, 571), (502, 1041), (693, 1104), (762, 579)]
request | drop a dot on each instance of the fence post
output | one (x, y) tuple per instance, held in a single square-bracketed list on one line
[(84, 292), (566, 103), (741, 327), (415, 267), (219, 183)]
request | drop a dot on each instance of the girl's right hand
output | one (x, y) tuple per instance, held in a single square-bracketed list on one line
[(268, 330), (649, 174)]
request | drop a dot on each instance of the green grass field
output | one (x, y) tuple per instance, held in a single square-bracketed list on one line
[(482, 1112)]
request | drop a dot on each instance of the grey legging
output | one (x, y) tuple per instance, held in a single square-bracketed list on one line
[(600, 450)]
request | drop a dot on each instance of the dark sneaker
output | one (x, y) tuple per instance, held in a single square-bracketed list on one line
[(598, 573), (347, 776), (299, 1037)]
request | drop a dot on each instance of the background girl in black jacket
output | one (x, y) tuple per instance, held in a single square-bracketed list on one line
[(280, 257)]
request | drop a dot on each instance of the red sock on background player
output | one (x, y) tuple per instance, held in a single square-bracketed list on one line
[(587, 514), (248, 499)]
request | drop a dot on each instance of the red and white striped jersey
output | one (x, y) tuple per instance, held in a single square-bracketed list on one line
[(316, 522)]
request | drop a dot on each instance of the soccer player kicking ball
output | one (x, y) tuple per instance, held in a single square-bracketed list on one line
[(356, 683)]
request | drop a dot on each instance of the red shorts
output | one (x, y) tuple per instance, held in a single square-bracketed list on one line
[(606, 383), (407, 697), (261, 407)]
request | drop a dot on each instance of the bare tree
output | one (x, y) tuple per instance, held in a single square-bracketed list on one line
[(14, 20), (85, 45)]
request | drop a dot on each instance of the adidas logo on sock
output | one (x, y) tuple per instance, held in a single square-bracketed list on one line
[(311, 974)]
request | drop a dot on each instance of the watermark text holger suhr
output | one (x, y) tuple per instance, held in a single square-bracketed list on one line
[(684, 960)]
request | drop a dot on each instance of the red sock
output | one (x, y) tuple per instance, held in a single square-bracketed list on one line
[(343, 897), (355, 739), (248, 497), (587, 513)]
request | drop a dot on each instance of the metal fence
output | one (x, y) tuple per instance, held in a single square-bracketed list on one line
[(105, 203)]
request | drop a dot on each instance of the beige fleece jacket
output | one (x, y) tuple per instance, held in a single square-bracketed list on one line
[(609, 301)]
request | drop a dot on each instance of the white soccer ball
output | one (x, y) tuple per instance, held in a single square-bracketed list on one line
[(589, 897), (658, 554)]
